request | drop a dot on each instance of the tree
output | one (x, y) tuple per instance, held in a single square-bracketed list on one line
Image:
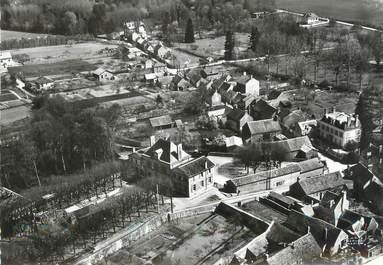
[(189, 32), (229, 45), (370, 111), (254, 39), (377, 47)]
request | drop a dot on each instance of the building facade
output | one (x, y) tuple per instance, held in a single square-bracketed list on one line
[(339, 128), (171, 165)]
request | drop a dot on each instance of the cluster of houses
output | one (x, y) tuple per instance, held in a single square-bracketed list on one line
[(135, 32), (312, 223)]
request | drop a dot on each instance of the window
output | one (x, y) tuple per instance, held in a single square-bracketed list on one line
[(202, 183), (210, 180), (209, 170), (194, 187), (279, 183)]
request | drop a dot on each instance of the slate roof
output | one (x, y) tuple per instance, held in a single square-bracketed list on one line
[(292, 145), (300, 223), (263, 126), (236, 114), (168, 151), (248, 179), (243, 79), (176, 79), (99, 71), (322, 183), (293, 118), (305, 248), (360, 173), (279, 197), (262, 109), (310, 165), (160, 121), (195, 167)]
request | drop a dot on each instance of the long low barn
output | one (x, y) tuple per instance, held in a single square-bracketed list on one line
[(264, 180), (276, 178)]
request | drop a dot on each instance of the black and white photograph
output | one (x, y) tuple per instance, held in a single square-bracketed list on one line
[(191, 132)]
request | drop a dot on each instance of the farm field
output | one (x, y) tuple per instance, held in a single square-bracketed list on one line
[(10, 115), (370, 11), (50, 54), (62, 68), (10, 34)]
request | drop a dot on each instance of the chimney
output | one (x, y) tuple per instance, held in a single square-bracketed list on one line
[(334, 109), (325, 234), (331, 203), (244, 73), (308, 229), (370, 166), (325, 111), (206, 164), (251, 76), (179, 151), (356, 120), (152, 140), (348, 121)]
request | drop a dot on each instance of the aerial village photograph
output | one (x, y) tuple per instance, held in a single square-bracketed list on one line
[(190, 132)]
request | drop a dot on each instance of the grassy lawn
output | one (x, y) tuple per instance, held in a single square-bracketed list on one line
[(64, 67), (10, 34), (7, 97), (214, 47), (13, 114), (49, 54)]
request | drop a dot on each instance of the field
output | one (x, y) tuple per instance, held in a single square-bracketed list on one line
[(369, 11), (9, 34), (50, 54), (59, 68), (214, 47), (10, 115)]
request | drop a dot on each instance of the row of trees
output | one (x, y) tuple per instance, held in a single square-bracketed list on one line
[(67, 190), (61, 138), (71, 17), (255, 155), (71, 235), (42, 41)]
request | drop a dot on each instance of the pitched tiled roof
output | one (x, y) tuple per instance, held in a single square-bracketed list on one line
[(236, 114), (195, 167), (310, 164), (282, 198), (293, 118), (243, 79), (293, 144), (263, 126), (98, 71), (167, 151), (322, 182), (262, 109), (160, 121), (359, 173), (300, 222), (305, 248), (245, 180)]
